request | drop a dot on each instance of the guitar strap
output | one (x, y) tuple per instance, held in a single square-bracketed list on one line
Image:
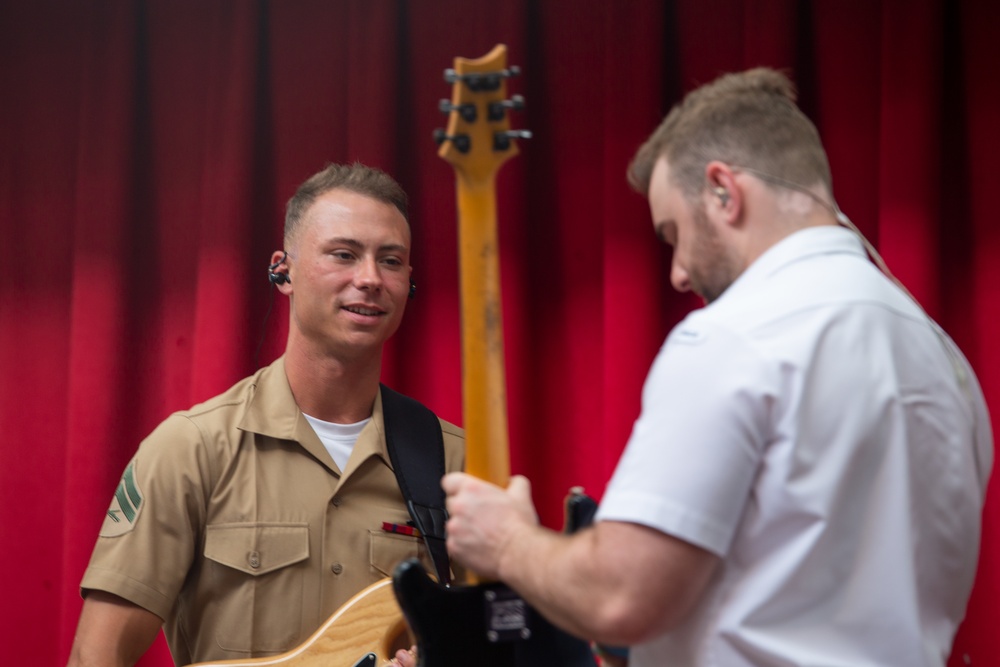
[(416, 450)]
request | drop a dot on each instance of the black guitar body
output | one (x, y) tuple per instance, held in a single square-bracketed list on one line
[(487, 625)]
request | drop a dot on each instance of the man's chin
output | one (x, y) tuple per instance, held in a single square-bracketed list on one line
[(366, 340)]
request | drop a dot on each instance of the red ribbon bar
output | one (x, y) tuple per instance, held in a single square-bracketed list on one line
[(400, 528)]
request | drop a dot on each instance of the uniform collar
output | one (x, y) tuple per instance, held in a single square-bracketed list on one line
[(371, 441), (273, 412)]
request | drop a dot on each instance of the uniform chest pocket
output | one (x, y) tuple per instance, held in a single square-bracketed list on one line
[(257, 577), (389, 550)]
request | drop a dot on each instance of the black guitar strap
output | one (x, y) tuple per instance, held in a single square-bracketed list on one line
[(416, 449)]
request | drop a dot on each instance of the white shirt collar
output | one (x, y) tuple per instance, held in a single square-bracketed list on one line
[(799, 245)]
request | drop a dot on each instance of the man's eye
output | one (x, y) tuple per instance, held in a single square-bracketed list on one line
[(392, 261), (342, 255)]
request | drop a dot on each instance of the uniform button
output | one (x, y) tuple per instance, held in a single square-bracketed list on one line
[(254, 559), (337, 502), (336, 568)]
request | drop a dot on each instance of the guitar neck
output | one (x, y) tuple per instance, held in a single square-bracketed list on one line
[(477, 142), (484, 389)]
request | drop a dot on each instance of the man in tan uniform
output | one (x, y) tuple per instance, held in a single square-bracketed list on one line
[(243, 523)]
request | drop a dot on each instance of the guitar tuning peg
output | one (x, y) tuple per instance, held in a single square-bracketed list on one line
[(461, 142), (501, 140), (466, 111), (482, 81), (498, 109)]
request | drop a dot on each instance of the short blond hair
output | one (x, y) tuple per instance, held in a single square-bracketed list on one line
[(747, 119), (357, 178)]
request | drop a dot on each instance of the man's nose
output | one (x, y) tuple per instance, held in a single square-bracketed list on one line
[(368, 275), (679, 278)]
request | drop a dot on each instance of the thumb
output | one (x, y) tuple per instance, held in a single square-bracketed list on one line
[(452, 481), (520, 488)]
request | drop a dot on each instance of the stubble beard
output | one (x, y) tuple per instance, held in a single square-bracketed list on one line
[(715, 266)]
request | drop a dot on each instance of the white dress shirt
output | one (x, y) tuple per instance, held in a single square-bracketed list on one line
[(810, 428)]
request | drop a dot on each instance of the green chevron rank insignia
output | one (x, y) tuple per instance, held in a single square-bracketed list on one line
[(125, 506)]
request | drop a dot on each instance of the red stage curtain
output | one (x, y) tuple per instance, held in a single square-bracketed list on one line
[(147, 149)]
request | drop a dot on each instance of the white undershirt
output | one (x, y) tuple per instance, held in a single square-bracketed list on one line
[(338, 439)]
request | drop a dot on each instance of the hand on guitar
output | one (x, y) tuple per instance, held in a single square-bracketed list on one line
[(485, 520), (405, 658)]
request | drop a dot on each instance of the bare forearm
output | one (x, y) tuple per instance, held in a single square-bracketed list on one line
[(95, 656), (565, 579), (617, 582), (112, 632)]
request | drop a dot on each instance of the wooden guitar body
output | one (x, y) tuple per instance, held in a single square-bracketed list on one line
[(362, 633), (486, 625)]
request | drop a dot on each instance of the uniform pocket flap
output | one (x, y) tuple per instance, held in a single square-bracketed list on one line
[(388, 551), (257, 548)]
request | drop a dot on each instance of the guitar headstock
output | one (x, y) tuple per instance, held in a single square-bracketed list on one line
[(478, 139)]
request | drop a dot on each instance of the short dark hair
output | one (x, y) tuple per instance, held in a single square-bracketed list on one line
[(747, 119), (356, 177)]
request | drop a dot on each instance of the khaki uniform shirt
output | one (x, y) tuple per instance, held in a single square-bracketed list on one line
[(234, 525)]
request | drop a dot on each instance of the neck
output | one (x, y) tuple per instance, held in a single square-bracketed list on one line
[(333, 389), (782, 215)]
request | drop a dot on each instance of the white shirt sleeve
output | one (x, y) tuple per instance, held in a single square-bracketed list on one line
[(695, 449)]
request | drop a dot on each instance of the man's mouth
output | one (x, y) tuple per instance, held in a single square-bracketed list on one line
[(362, 310)]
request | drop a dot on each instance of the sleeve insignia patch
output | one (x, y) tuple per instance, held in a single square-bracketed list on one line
[(125, 506)]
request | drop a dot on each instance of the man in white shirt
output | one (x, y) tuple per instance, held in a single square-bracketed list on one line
[(804, 485)]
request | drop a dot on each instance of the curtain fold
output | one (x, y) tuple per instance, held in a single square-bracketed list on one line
[(147, 148)]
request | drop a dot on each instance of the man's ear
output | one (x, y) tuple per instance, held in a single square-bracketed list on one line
[(725, 195), (278, 271)]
